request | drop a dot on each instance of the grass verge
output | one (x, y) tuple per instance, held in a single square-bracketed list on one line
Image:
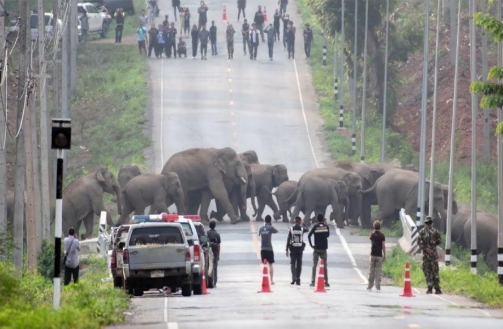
[(92, 303), (483, 287)]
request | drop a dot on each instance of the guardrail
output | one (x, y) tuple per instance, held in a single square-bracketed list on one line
[(408, 241)]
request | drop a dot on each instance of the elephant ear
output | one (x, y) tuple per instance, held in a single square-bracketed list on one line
[(100, 175), (342, 188), (221, 163), (276, 172)]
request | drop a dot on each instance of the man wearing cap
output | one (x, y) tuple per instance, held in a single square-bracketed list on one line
[(266, 251), (308, 40), (321, 233), (295, 248), (429, 239)]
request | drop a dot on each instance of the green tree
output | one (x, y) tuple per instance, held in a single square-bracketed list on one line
[(491, 90)]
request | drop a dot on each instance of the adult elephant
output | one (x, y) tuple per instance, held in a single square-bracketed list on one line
[(398, 188), (126, 173), (352, 180), (157, 191), (286, 194), (249, 156), (267, 177), (83, 199), (316, 193), (487, 234), (239, 194), (369, 174), (201, 170)]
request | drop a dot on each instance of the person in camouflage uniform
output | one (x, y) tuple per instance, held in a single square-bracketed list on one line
[(429, 239)]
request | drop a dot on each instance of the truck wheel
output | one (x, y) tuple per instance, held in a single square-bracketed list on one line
[(197, 289), (137, 291), (186, 290), (117, 282)]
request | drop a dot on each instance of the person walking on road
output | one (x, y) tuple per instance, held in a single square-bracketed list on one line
[(152, 40), (271, 32), (176, 6), (266, 251), (295, 248), (377, 256), (186, 22), (321, 233), (119, 25), (195, 40), (429, 239), (290, 40), (254, 41), (215, 241), (277, 19), (308, 40), (203, 16), (165, 22), (213, 38), (160, 41), (141, 32), (241, 8), (282, 6), (182, 48), (286, 20), (229, 36), (71, 260), (204, 35), (153, 9), (172, 39), (259, 22), (245, 31)]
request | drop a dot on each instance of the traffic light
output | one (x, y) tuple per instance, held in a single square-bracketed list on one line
[(61, 135)]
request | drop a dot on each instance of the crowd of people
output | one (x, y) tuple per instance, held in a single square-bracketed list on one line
[(162, 39)]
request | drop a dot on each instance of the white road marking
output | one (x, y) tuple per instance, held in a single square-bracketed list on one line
[(162, 110), (166, 309), (350, 255), (172, 325), (304, 113)]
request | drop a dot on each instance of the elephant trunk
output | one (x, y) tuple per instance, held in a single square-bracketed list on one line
[(243, 195), (118, 195), (180, 204), (251, 192)]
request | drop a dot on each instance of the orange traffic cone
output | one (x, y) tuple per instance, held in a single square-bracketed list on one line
[(224, 15), (204, 289), (266, 279), (320, 281), (407, 286), (265, 15)]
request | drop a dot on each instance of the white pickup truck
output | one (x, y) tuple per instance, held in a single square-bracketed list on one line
[(157, 255)]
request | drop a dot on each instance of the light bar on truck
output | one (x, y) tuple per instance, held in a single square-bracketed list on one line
[(164, 218)]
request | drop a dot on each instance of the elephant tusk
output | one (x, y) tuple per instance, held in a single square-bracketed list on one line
[(243, 180)]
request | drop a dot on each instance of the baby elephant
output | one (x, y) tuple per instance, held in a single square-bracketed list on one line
[(286, 194), (158, 191)]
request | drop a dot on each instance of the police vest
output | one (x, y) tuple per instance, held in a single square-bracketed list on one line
[(297, 237)]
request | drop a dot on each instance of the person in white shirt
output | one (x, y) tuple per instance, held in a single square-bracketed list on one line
[(72, 247), (254, 40)]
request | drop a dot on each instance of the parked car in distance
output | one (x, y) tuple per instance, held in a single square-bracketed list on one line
[(157, 255), (98, 21), (49, 26), (116, 262)]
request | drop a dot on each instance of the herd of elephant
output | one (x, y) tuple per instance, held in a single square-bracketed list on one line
[(192, 178)]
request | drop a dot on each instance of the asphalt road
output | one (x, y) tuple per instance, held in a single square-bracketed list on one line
[(269, 106)]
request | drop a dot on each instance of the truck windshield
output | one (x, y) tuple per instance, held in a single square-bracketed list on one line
[(187, 229), (156, 235), (200, 230)]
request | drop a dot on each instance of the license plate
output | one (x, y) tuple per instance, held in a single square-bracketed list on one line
[(157, 274)]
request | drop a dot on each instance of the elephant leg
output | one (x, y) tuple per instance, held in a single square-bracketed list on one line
[(351, 213), (205, 204), (242, 212), (77, 227), (127, 209), (262, 200), (366, 216), (307, 215), (285, 217), (219, 214), (217, 188), (193, 201), (88, 223)]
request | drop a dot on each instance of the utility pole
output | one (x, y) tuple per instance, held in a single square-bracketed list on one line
[(434, 116), (340, 75), (364, 97), (424, 108), (485, 68), (453, 28), (500, 170), (3, 132), (355, 68), (72, 24), (44, 120), (450, 195), (19, 198), (385, 101), (66, 76), (56, 95), (473, 77)]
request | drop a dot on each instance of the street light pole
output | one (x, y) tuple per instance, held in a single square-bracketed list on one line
[(364, 97), (341, 70), (424, 108), (500, 172), (385, 100), (355, 67)]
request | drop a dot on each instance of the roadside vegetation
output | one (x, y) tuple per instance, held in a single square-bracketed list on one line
[(92, 303)]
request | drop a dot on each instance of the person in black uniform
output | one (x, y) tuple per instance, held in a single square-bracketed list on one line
[(295, 247), (245, 31), (213, 38), (214, 238), (321, 233)]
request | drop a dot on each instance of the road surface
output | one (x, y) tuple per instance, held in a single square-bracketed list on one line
[(269, 106)]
